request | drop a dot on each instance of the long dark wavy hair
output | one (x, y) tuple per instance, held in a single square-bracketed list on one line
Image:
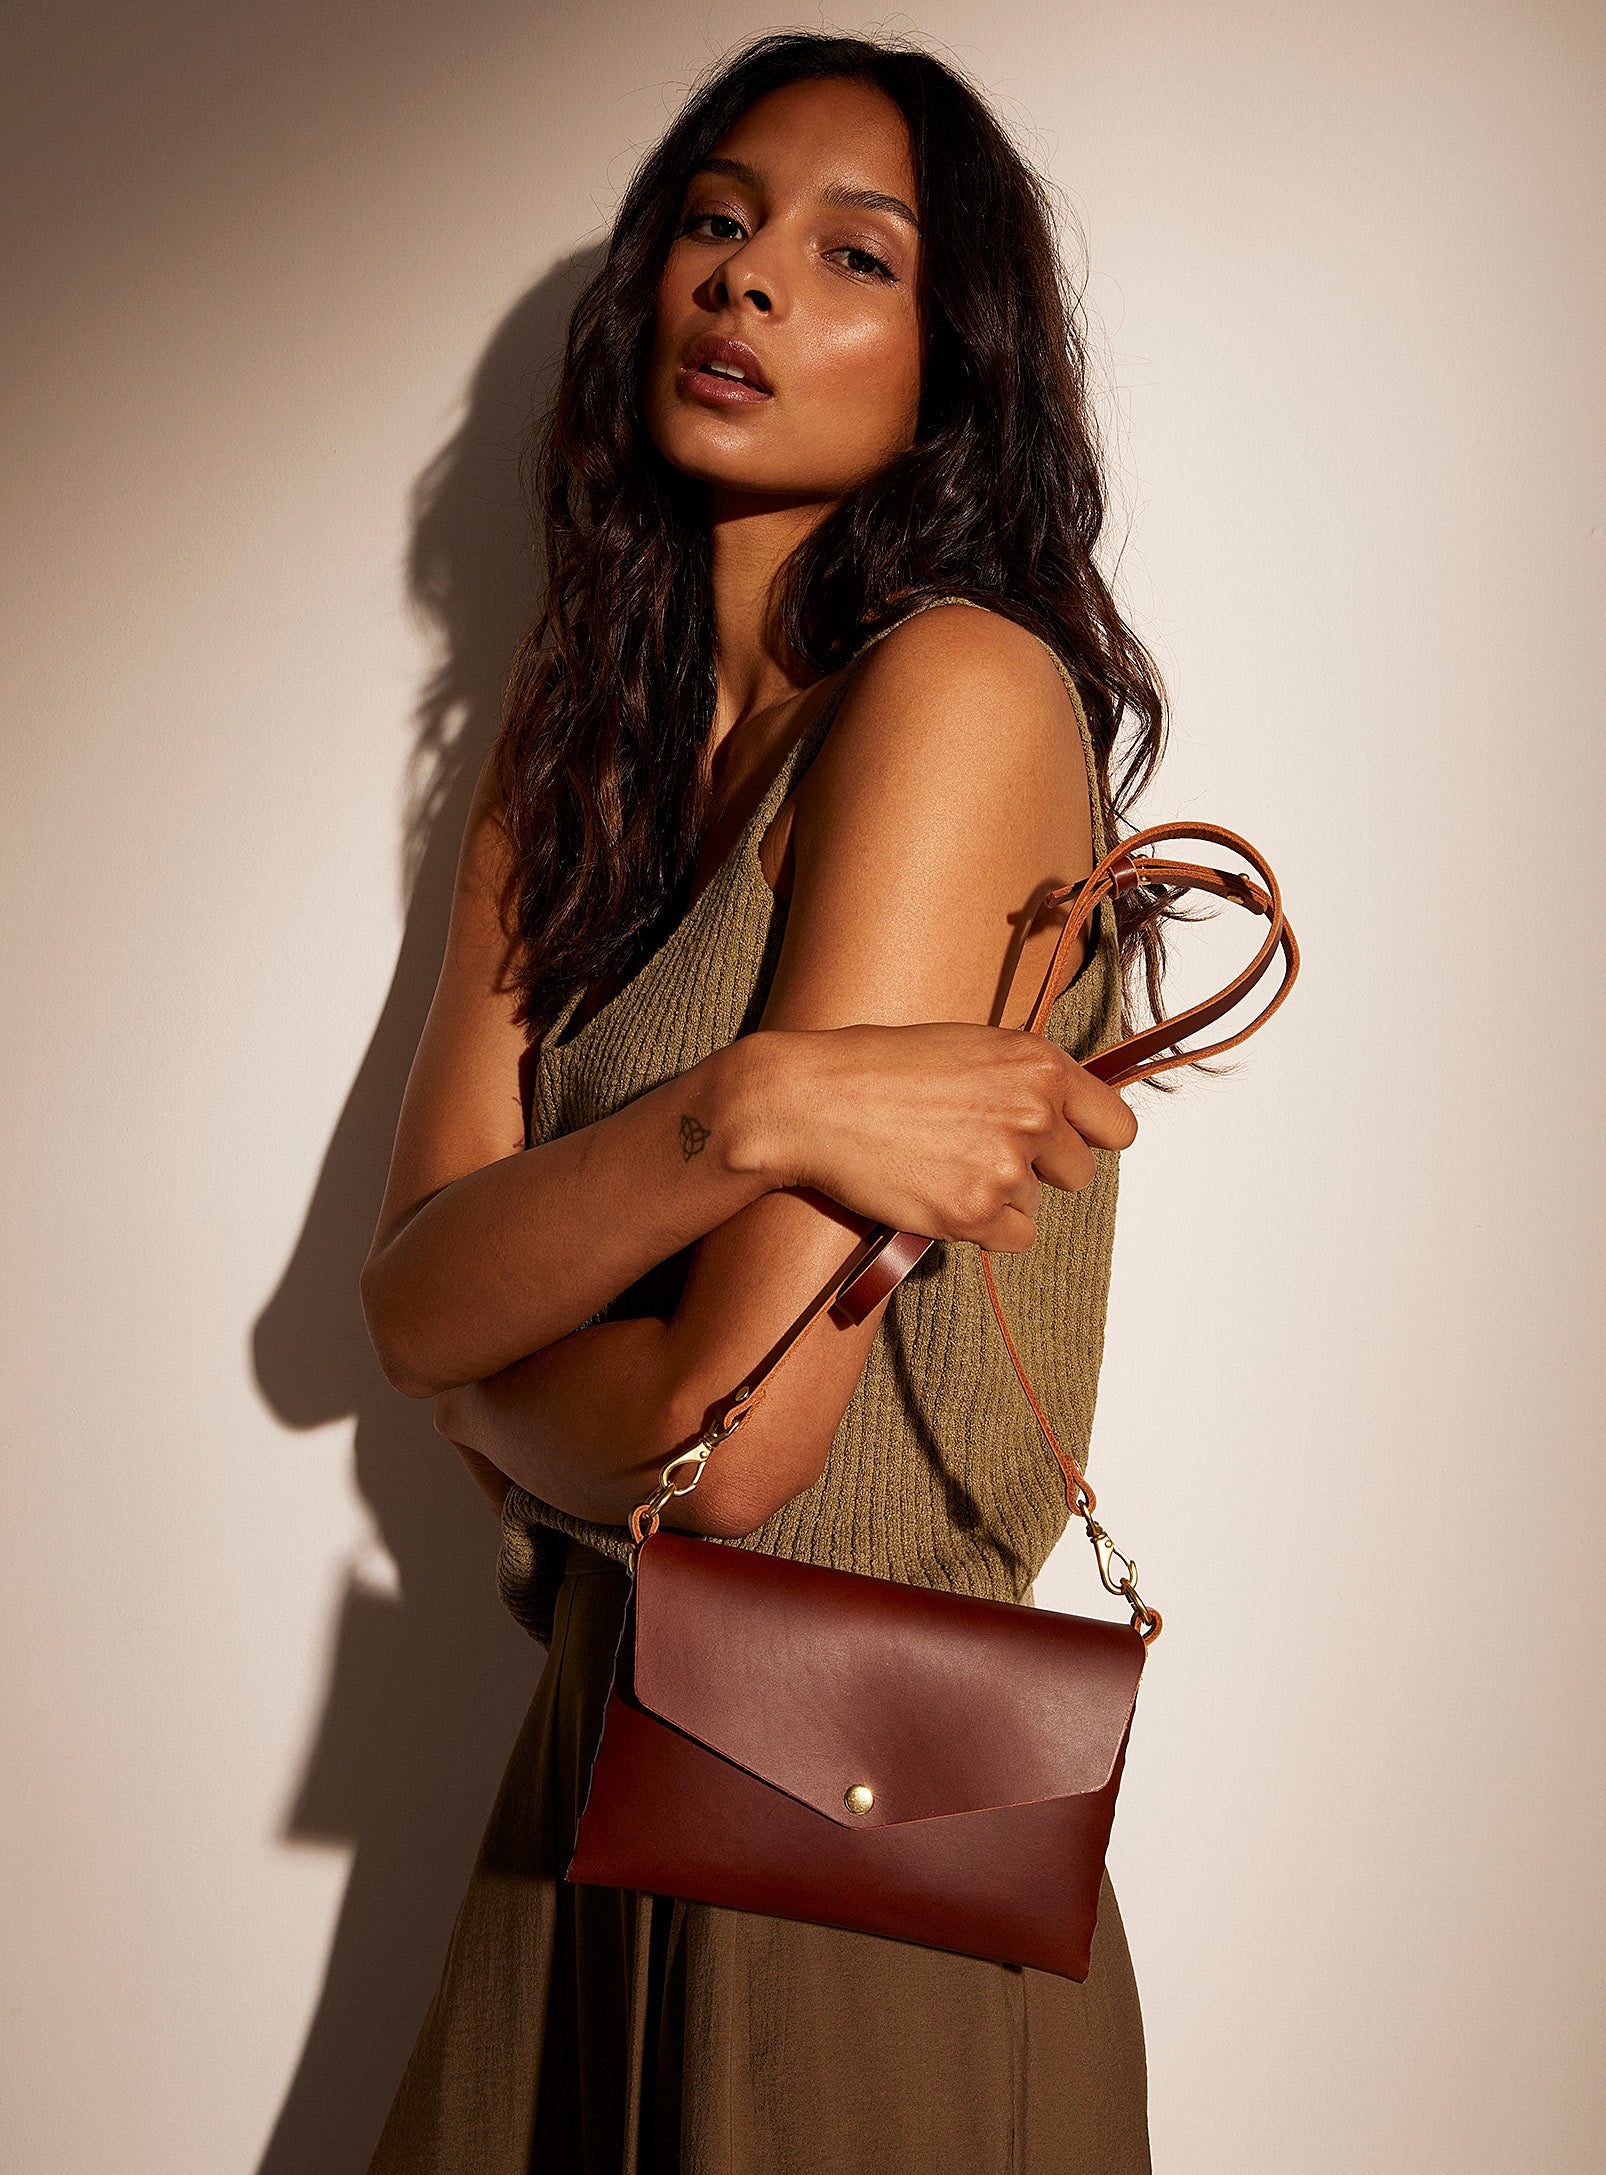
[(1001, 498)]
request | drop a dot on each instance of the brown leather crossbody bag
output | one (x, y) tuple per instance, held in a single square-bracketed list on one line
[(899, 1760)]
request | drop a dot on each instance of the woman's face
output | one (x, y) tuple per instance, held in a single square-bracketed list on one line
[(797, 243)]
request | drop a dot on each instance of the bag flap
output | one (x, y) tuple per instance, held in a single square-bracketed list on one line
[(823, 1682)]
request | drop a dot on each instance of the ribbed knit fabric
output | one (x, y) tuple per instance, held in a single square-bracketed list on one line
[(938, 1474)]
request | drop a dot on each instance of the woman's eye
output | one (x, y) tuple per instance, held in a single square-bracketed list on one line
[(695, 219), (868, 265)]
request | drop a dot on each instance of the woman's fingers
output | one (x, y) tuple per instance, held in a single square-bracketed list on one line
[(1065, 1159), (945, 1128), (1097, 1110)]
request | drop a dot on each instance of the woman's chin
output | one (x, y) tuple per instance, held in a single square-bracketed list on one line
[(735, 471), (741, 471)]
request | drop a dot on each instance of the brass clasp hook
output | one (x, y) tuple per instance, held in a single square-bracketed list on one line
[(644, 1518), (1144, 1619)]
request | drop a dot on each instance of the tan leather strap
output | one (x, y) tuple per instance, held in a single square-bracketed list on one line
[(884, 1256)]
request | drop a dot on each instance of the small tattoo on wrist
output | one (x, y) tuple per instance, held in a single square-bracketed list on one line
[(693, 1137)]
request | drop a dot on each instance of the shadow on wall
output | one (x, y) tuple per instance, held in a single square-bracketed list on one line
[(428, 1685)]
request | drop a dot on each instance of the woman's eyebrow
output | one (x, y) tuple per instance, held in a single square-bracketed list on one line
[(872, 200), (861, 199)]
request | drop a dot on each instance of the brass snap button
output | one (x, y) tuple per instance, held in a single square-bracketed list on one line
[(859, 1798)]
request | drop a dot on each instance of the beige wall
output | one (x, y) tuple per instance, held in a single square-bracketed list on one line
[(275, 282)]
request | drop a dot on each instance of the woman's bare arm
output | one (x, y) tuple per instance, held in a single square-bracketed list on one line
[(484, 1252), (952, 789)]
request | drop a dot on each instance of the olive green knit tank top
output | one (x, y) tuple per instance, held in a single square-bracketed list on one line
[(938, 1474)]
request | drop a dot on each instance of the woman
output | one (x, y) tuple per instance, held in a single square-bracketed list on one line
[(822, 704)]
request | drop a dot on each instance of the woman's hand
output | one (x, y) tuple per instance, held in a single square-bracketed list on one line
[(949, 1130)]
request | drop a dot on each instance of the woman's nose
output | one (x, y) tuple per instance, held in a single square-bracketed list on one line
[(749, 290), (744, 278)]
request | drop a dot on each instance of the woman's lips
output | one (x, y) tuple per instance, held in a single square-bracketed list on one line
[(723, 372), (720, 392)]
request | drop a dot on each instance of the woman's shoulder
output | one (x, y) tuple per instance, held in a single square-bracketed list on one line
[(982, 642), (951, 790), (960, 657), (956, 686)]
